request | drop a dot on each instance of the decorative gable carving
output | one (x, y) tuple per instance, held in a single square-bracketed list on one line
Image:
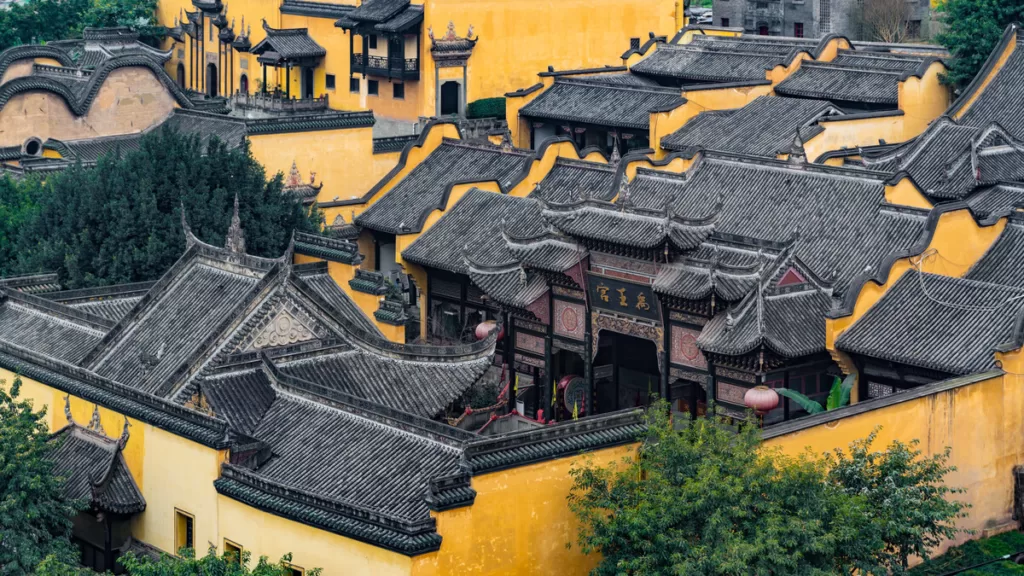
[(283, 330)]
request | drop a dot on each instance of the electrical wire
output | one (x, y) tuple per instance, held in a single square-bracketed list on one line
[(916, 263)]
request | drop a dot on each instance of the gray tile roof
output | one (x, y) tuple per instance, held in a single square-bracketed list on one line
[(405, 207), (420, 388), (877, 60), (109, 302), (570, 180), (1003, 263), (241, 397), (835, 212), (994, 200), (47, 327), (321, 282), (95, 471), (174, 322), (1002, 98), (601, 103), (941, 323), (639, 227), (757, 44), (473, 227), (289, 43), (728, 272), (378, 10), (763, 127), (842, 83), (230, 131), (702, 63)]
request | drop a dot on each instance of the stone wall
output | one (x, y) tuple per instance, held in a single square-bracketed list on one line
[(130, 100)]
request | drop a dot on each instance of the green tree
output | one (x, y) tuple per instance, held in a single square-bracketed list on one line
[(35, 515), (703, 499), (34, 21), (706, 500), (186, 564), (972, 29), (913, 509), (120, 221)]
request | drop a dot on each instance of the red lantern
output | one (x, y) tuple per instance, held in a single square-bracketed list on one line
[(761, 399), (484, 328)]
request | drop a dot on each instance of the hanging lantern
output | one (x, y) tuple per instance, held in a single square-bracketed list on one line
[(761, 399), (484, 328)]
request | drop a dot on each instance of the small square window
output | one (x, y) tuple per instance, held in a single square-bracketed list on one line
[(725, 22), (373, 42), (233, 551), (399, 89), (329, 81), (372, 87), (353, 85), (184, 530), (634, 43), (798, 29)]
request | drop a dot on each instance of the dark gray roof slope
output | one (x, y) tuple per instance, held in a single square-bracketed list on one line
[(1003, 263), (88, 151), (569, 180), (47, 327), (842, 83), (95, 471), (317, 278), (729, 272), (763, 127), (996, 199), (175, 321), (405, 207), (289, 43), (420, 388), (758, 44), (1003, 97), (108, 302), (344, 456), (601, 103), (241, 397), (834, 212), (703, 64), (474, 227), (231, 131), (877, 60), (378, 10), (937, 322)]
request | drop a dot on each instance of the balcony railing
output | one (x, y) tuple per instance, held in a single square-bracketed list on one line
[(403, 68), (276, 102)]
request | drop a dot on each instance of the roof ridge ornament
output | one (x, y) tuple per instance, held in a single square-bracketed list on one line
[(797, 155), (123, 440), (235, 240), (67, 410), (506, 142), (190, 239), (94, 423)]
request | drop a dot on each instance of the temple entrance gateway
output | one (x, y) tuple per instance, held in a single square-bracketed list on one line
[(450, 98), (626, 372), (307, 82)]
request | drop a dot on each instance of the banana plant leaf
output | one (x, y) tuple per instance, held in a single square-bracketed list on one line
[(839, 395), (806, 403)]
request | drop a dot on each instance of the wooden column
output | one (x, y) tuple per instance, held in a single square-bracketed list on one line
[(264, 77), (510, 361), (288, 80)]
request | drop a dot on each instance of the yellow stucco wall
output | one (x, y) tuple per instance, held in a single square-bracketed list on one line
[(496, 536), (540, 167), (905, 193), (130, 100), (342, 159), (664, 123), (982, 424), (923, 99), (264, 534), (853, 133), (20, 68)]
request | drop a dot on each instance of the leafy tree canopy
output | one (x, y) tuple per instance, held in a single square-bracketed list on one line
[(186, 564), (120, 221), (34, 21), (703, 499), (972, 30), (35, 515)]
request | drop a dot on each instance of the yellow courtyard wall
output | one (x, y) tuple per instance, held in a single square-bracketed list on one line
[(664, 123), (540, 167), (923, 99), (263, 534), (494, 537), (342, 159), (687, 36), (518, 127), (980, 422), (840, 133), (130, 100), (171, 471), (518, 39), (905, 193)]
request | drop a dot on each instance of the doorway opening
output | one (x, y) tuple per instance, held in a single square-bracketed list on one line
[(450, 98), (626, 372), (181, 75), (307, 82), (211, 80), (243, 84)]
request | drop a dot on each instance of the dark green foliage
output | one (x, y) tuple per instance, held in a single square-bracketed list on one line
[(972, 30), (486, 108), (35, 516), (906, 496), (702, 499), (211, 564), (121, 221), (976, 552), (47, 20)]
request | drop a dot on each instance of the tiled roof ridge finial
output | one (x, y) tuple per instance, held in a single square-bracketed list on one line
[(235, 240), (616, 157), (67, 409), (123, 440), (190, 238), (506, 142), (94, 423), (797, 155)]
